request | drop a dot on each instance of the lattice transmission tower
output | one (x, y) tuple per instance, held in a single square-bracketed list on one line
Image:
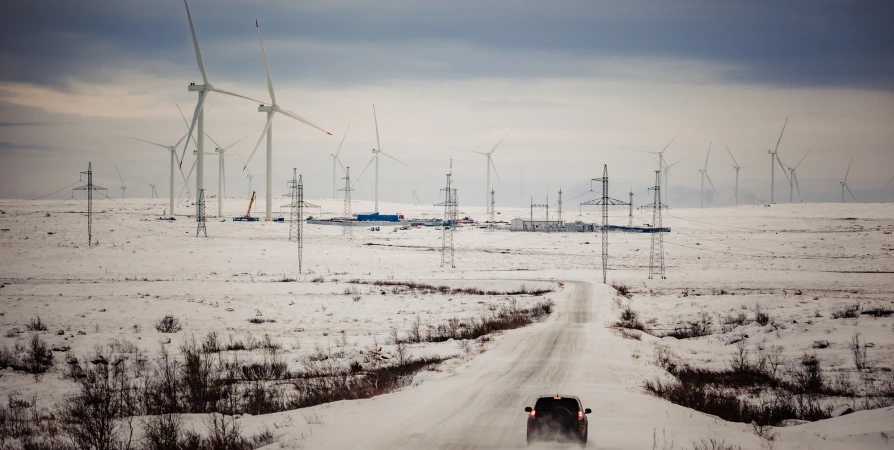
[(296, 214), (89, 187), (347, 228), (656, 254), (450, 219), (605, 201), (200, 215)]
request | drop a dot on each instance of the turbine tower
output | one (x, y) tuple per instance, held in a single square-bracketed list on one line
[(793, 180), (737, 167), (336, 160), (271, 111), (123, 187), (490, 164), (198, 117), (376, 152), (704, 173), (844, 183), (774, 158)]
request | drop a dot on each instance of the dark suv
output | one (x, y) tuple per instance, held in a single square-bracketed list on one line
[(558, 418)]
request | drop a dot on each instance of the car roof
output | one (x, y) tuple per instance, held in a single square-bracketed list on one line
[(557, 395)]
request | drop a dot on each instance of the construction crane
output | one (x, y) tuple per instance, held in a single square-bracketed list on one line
[(247, 217)]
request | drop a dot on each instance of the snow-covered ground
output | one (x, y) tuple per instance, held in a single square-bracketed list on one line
[(799, 262)]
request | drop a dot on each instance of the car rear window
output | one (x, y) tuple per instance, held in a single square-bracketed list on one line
[(545, 404)]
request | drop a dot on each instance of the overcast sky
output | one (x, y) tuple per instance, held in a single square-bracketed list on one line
[(586, 83)]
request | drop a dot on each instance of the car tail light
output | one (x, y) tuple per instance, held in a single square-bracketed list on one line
[(533, 414), (580, 415)]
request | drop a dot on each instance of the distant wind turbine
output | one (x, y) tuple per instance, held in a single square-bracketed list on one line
[(416, 200), (793, 180), (667, 168), (337, 160), (737, 167), (661, 163), (704, 173), (221, 153), (172, 149), (376, 152), (774, 158), (490, 164), (271, 111), (844, 183), (152, 186), (123, 187)]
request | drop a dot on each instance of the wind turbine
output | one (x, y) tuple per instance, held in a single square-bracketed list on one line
[(376, 152), (221, 153), (667, 174), (490, 164), (793, 180), (774, 157), (737, 167), (199, 116), (172, 149), (271, 111), (704, 173), (844, 183), (661, 164), (123, 187), (336, 160)]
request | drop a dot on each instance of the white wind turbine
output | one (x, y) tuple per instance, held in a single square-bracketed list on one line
[(221, 153), (271, 111), (172, 149), (337, 160), (793, 180), (199, 116), (152, 185), (376, 152), (844, 183), (123, 187), (774, 158), (490, 164), (704, 173), (667, 168), (737, 167), (661, 164)]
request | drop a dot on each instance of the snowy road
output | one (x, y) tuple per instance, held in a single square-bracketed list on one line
[(483, 406)]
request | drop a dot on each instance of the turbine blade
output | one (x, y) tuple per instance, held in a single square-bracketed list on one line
[(495, 171), (849, 191), (195, 43), (212, 140), (337, 159), (795, 176), (389, 156), (162, 174), (802, 158), (672, 139), (848, 169), (266, 66), (260, 138), (301, 119), (470, 151), (376, 118), (501, 140), (782, 166), (780, 136), (731, 155), (420, 182), (666, 166), (119, 175), (708, 156), (342, 141), (712, 184), (226, 92), (238, 141), (889, 181), (167, 147), (367, 166), (244, 164), (195, 118)]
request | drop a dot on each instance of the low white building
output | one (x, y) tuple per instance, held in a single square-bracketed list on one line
[(534, 225)]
